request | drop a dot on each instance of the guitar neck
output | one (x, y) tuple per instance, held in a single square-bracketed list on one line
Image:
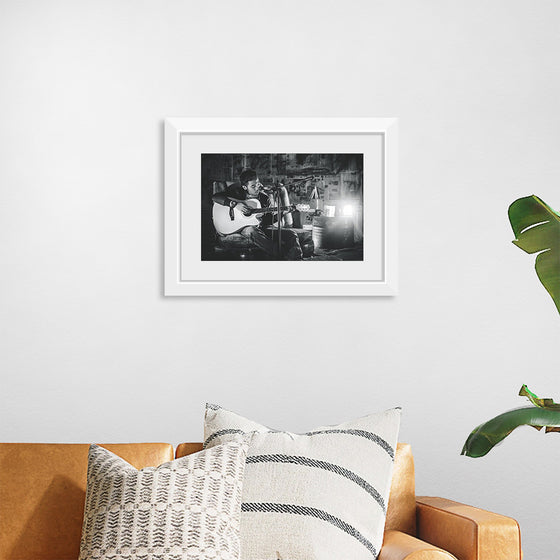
[(271, 209)]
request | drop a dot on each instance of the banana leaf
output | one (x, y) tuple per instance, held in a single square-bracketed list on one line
[(536, 227), (544, 413), (537, 401)]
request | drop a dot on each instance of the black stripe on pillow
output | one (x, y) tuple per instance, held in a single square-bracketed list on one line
[(315, 463), (312, 512), (360, 433)]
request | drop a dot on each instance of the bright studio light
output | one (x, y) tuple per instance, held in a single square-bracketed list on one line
[(348, 210)]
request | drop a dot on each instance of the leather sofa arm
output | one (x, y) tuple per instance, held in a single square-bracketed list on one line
[(467, 532), (401, 546)]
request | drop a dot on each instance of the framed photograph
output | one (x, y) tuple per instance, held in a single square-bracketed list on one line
[(280, 207)]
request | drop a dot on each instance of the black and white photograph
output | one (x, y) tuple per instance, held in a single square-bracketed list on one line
[(282, 206)]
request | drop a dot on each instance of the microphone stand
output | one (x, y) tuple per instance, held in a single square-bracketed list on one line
[(279, 214), (276, 190)]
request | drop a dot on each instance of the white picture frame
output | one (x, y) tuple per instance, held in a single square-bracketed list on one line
[(186, 274)]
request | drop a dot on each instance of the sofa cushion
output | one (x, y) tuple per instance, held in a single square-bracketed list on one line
[(186, 509), (42, 492), (322, 494)]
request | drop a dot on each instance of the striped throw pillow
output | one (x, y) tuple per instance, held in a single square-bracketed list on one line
[(187, 509), (316, 496)]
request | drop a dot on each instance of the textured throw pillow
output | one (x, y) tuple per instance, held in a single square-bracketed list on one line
[(321, 495), (185, 509)]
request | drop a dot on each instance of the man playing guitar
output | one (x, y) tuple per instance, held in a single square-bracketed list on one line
[(249, 188)]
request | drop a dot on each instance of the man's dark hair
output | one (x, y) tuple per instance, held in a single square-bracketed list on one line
[(247, 175)]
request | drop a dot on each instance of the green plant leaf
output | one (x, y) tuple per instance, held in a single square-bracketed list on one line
[(536, 227), (537, 401), (483, 438), (543, 413)]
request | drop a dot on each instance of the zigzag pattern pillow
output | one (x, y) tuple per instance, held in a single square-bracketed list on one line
[(187, 509), (321, 495)]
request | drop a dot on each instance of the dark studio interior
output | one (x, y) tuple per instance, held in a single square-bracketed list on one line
[(325, 193)]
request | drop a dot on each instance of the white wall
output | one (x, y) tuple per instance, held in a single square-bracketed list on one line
[(91, 351)]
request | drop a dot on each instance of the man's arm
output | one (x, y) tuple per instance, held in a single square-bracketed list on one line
[(287, 219), (222, 198), (225, 199)]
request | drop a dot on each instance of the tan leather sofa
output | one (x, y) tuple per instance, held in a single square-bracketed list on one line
[(42, 492)]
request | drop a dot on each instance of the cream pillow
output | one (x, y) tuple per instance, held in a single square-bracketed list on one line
[(321, 495), (187, 509)]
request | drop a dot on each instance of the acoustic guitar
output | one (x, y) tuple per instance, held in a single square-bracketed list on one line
[(230, 220)]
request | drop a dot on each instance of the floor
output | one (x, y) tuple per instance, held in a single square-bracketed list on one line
[(354, 253)]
